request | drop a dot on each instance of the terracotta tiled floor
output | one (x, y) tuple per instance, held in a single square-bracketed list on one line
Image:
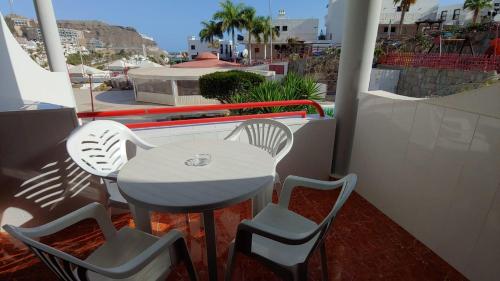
[(363, 245)]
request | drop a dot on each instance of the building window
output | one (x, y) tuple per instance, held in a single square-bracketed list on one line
[(284, 28), (444, 15), (399, 9), (257, 50), (456, 14), (277, 28), (393, 29), (193, 47)]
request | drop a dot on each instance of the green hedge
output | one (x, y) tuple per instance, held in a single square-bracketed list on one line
[(223, 86)]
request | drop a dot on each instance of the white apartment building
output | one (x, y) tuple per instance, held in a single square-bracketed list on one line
[(303, 30), (222, 47), (390, 14), (456, 14), (94, 43), (67, 35), (21, 22)]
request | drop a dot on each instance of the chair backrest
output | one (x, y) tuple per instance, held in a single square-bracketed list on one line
[(270, 135), (99, 147), (64, 266)]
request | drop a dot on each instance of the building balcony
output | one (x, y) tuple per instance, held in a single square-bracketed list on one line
[(419, 163)]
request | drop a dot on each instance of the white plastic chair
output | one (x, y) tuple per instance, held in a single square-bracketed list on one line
[(127, 254), (100, 148), (271, 136), (285, 240)]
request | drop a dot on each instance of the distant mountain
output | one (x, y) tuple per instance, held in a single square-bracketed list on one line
[(113, 36), (109, 36)]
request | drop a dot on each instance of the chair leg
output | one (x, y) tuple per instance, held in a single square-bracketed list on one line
[(202, 221), (230, 262), (300, 272), (303, 272), (186, 258), (324, 262), (277, 185)]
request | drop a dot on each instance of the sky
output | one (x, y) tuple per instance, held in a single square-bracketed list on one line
[(169, 22)]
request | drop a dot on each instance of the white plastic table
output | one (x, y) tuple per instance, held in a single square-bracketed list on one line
[(159, 179)]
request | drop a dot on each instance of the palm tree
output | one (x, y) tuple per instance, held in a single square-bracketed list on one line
[(253, 25), (477, 6), (230, 17), (210, 30), (405, 6), (267, 31)]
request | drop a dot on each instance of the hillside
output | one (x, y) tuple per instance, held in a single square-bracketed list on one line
[(112, 36), (116, 37)]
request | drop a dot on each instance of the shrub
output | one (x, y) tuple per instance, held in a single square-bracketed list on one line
[(292, 87), (223, 86)]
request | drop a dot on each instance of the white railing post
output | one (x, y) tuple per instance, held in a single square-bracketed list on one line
[(358, 44), (50, 33)]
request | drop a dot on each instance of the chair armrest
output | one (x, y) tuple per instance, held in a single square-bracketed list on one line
[(234, 135), (127, 269), (91, 211), (252, 227), (140, 261), (294, 181), (140, 142)]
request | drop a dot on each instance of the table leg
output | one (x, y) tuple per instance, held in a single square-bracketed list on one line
[(262, 199), (142, 218), (211, 243)]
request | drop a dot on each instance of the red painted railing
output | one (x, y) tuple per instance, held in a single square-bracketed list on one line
[(443, 61), (205, 108)]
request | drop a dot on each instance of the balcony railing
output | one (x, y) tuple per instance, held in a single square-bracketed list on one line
[(207, 108)]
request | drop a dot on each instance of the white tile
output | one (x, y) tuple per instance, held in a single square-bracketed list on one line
[(435, 198), (424, 133), (471, 200), (426, 125), (407, 182), (485, 146), (455, 135), (483, 261)]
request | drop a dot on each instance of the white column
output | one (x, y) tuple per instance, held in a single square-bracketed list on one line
[(358, 44), (175, 91), (50, 33)]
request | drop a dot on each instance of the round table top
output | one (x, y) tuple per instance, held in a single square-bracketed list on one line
[(159, 179)]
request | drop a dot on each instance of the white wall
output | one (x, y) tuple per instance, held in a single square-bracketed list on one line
[(304, 29), (311, 154), (334, 21), (433, 166), (421, 10), (23, 80), (465, 15), (201, 47)]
